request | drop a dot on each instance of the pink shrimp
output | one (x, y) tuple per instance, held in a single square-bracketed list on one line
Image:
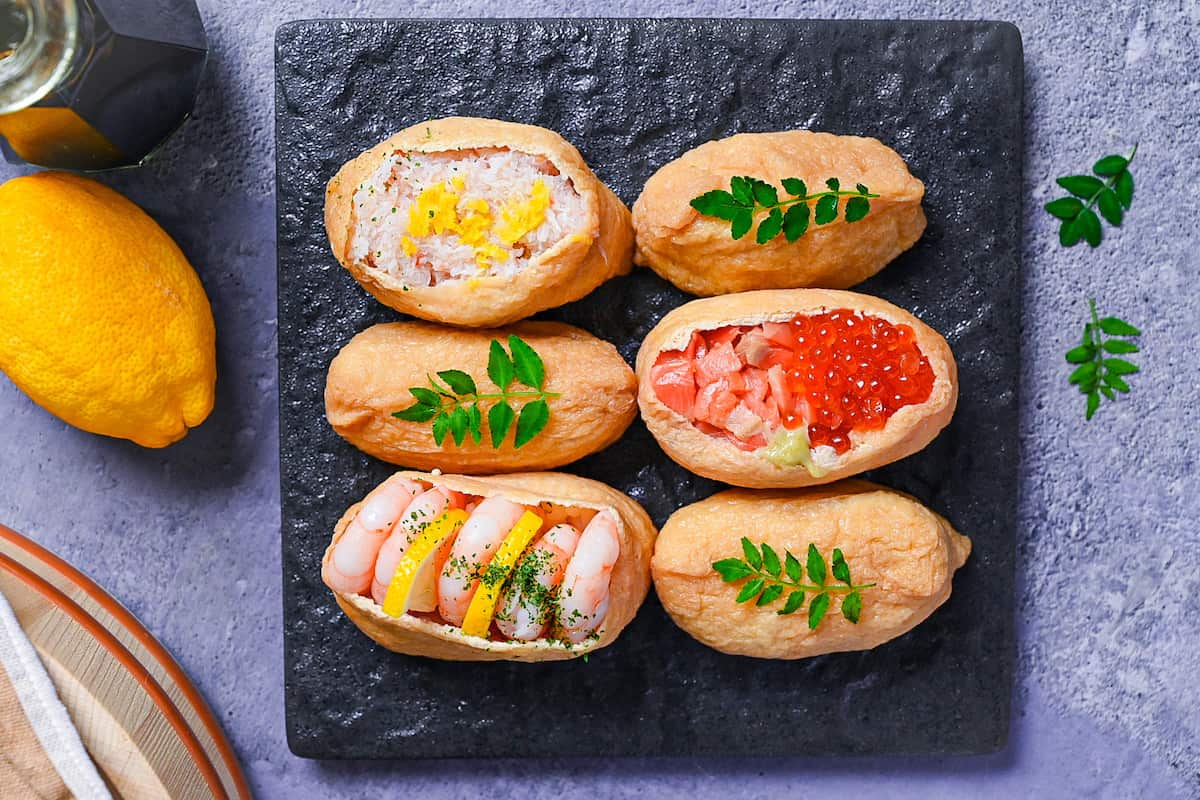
[(473, 549), (525, 609), (424, 509), (352, 564), (583, 595)]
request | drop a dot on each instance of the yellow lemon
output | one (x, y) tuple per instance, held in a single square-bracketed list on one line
[(483, 605), (399, 590), (103, 322)]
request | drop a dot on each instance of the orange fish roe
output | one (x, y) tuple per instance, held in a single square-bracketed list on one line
[(854, 372), (839, 371)]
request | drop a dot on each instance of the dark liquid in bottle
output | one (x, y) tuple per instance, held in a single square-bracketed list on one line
[(132, 84)]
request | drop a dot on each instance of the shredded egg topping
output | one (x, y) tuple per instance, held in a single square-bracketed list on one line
[(441, 210)]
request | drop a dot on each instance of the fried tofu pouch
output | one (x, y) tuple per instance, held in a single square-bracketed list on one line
[(888, 539), (698, 253), (630, 581), (906, 431), (369, 195), (371, 376)]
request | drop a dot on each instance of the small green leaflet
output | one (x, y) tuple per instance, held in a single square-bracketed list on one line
[(500, 366), (1099, 372), (817, 609), (458, 381), (751, 589), (500, 419), (768, 579), (530, 423), (771, 561), (792, 567), (453, 400), (749, 196), (794, 602), (753, 557), (841, 570), (527, 365), (816, 566), (852, 606), (1109, 191)]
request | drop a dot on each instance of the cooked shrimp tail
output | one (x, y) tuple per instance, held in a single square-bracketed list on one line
[(351, 568), (425, 508), (583, 595)]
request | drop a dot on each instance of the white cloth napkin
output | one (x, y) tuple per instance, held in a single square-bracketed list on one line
[(26, 691)]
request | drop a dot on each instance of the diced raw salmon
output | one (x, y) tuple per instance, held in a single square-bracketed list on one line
[(772, 417), (779, 333), (784, 398), (764, 408), (718, 362), (726, 335), (753, 348), (723, 403), (704, 400), (675, 385), (777, 357), (732, 383), (742, 422), (749, 445), (756, 382)]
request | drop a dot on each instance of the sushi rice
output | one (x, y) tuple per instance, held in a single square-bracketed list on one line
[(430, 218)]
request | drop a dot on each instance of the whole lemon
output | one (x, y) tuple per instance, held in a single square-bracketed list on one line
[(103, 322)]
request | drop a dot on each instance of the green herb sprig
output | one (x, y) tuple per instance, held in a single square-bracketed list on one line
[(769, 578), (456, 405), (750, 196), (1099, 371), (1110, 190)]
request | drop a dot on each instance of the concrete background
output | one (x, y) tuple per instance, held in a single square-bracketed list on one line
[(1107, 701)]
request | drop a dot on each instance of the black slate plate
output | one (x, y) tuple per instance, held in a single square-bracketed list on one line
[(633, 94)]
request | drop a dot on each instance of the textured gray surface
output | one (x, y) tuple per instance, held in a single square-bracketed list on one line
[(635, 112), (659, 691), (1108, 586)]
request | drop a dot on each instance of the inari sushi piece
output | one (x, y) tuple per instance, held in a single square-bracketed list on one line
[(535, 566), (590, 395), (784, 388), (699, 254), (476, 222), (881, 561)]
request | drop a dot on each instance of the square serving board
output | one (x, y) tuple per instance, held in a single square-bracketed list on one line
[(632, 95)]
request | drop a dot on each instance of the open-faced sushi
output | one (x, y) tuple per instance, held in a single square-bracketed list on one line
[(476, 222)]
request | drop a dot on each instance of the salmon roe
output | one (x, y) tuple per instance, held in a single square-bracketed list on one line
[(854, 372)]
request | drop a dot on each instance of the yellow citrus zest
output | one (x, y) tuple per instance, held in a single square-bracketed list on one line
[(483, 605), (395, 602)]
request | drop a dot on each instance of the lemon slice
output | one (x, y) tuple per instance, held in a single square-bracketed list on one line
[(395, 602), (483, 605)]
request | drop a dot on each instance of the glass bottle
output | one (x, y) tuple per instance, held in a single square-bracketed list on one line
[(96, 84)]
